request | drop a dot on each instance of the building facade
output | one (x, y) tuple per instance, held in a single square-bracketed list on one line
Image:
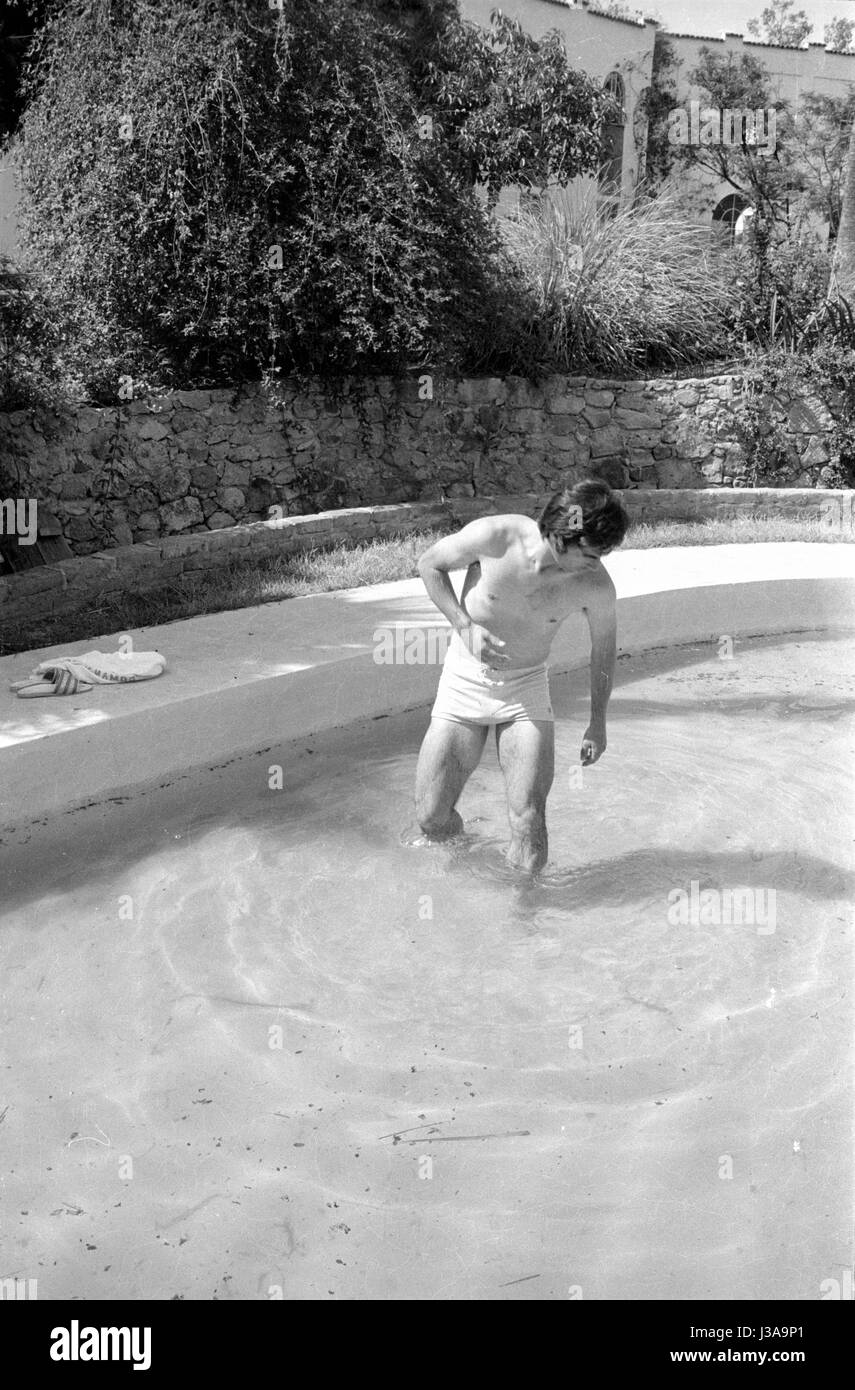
[(619, 53)]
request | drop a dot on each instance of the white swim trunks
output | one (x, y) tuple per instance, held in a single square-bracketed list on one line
[(469, 693)]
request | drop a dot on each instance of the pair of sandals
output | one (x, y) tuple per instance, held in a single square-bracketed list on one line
[(56, 680)]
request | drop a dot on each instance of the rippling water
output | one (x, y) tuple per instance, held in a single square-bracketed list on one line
[(259, 1040)]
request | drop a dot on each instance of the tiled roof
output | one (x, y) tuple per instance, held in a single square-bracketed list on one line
[(615, 18), (753, 43), (638, 23), (590, 9)]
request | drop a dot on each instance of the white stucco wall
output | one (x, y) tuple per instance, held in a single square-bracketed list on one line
[(8, 206), (599, 45), (792, 71)]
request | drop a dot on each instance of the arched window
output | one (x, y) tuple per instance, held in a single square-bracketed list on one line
[(727, 214), (611, 172)]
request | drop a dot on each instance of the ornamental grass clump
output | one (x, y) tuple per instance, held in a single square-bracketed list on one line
[(621, 290)]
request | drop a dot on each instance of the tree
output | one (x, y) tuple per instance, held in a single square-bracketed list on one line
[(806, 167), (838, 35), (512, 110), (781, 23), (657, 102), (211, 190), (740, 83), (845, 249), (816, 152)]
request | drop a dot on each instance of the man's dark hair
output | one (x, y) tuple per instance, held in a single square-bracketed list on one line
[(604, 518)]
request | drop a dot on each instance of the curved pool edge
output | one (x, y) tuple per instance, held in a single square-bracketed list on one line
[(254, 679)]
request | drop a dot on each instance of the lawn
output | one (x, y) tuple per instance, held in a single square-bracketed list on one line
[(241, 583)]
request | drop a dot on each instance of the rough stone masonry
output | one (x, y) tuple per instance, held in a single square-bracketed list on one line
[(194, 461)]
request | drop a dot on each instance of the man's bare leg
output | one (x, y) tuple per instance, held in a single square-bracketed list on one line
[(449, 755), (526, 751)]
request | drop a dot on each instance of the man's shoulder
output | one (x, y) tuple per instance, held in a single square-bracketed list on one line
[(493, 536), (509, 519), (601, 586), (510, 524)]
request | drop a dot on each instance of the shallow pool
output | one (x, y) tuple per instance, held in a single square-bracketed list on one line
[(257, 1044)]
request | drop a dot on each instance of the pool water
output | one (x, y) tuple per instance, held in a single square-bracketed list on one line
[(258, 1044)]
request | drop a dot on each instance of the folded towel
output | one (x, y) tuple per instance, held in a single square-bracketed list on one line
[(108, 668), (72, 675)]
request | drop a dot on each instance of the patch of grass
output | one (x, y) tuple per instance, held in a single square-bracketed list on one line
[(242, 583), (761, 528)]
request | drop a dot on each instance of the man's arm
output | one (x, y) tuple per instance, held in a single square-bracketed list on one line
[(486, 537), (601, 612)]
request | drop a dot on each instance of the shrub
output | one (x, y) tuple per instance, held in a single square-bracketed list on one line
[(30, 344), (824, 373), (780, 282), (637, 289), (214, 191)]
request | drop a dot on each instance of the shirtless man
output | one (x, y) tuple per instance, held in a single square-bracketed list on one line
[(524, 578)]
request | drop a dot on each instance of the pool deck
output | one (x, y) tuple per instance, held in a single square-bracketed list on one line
[(260, 678)]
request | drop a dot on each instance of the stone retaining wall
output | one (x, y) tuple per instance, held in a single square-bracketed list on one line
[(203, 460), (85, 582)]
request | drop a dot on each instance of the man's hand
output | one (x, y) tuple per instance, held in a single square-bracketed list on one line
[(593, 744), (486, 648)]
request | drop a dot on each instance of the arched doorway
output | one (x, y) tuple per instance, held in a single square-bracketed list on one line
[(729, 216)]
